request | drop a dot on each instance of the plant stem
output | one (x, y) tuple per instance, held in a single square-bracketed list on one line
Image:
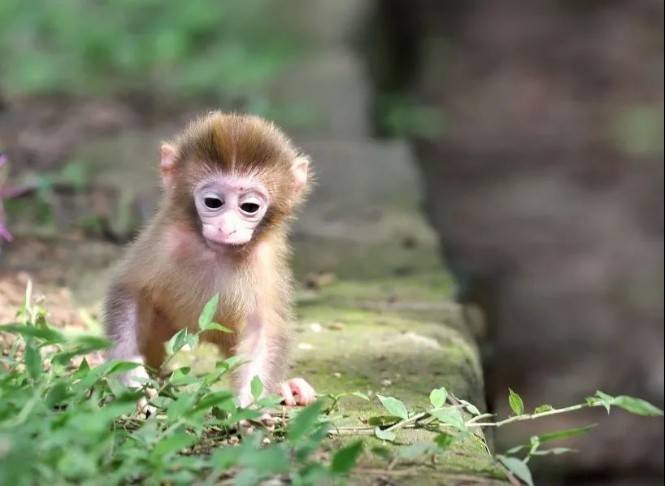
[(480, 417), (358, 431), (410, 420), (534, 416)]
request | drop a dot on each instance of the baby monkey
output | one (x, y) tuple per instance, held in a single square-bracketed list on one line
[(231, 184)]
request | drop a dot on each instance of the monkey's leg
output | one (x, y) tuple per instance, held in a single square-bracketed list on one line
[(122, 328), (154, 331), (265, 346)]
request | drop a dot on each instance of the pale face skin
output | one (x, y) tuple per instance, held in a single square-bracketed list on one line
[(230, 208)]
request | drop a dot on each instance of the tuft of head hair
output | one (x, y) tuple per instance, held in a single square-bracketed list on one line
[(236, 144), (239, 145)]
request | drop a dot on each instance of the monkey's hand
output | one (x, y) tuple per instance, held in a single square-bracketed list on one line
[(297, 391)]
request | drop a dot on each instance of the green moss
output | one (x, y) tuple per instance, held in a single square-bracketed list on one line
[(386, 258), (353, 335)]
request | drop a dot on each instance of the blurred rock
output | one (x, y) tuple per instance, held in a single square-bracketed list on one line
[(546, 188)]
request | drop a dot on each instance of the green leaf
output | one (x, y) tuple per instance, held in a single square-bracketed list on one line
[(256, 387), (470, 407), (633, 405), (394, 406), (92, 343), (208, 313), (182, 376), (238, 414), (449, 416), (225, 458), (57, 394), (46, 334), (271, 460), (516, 403), (518, 468), (543, 409), (565, 434), (171, 445), (306, 448), (601, 399), (83, 346), (414, 451), (384, 434), (555, 451), (181, 406), (33, 361), (345, 459), (84, 367), (360, 395), (438, 397), (163, 402), (192, 341), (177, 342), (247, 477), (383, 420), (514, 450), (637, 406), (444, 440), (231, 363), (269, 401), (215, 326), (312, 474), (213, 399), (117, 367), (304, 422), (109, 368), (383, 452)]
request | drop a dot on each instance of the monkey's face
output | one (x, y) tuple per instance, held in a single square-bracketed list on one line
[(230, 209)]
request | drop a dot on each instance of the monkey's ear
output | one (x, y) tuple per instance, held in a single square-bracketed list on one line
[(300, 169), (168, 154)]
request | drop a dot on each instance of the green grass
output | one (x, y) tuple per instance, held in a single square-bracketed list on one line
[(63, 421), (226, 49)]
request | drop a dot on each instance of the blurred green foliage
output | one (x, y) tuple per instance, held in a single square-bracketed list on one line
[(401, 116), (638, 131), (227, 49), (65, 422)]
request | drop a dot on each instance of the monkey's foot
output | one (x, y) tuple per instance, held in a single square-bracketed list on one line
[(143, 406), (297, 391), (266, 421)]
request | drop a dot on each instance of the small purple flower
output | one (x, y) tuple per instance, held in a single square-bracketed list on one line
[(4, 233)]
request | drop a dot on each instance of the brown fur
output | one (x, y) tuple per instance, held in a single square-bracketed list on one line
[(235, 144), (169, 272)]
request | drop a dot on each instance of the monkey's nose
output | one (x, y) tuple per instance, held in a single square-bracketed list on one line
[(227, 230)]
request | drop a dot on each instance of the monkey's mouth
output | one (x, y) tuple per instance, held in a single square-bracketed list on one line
[(224, 245)]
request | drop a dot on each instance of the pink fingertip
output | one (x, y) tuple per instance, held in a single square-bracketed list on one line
[(287, 395)]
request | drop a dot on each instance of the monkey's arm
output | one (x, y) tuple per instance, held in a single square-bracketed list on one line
[(264, 343), (122, 328)]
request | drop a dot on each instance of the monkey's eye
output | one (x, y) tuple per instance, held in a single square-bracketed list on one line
[(249, 207), (213, 202)]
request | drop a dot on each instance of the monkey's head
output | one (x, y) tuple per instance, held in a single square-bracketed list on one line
[(233, 177)]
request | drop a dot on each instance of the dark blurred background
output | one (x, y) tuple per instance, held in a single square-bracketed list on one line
[(536, 129)]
